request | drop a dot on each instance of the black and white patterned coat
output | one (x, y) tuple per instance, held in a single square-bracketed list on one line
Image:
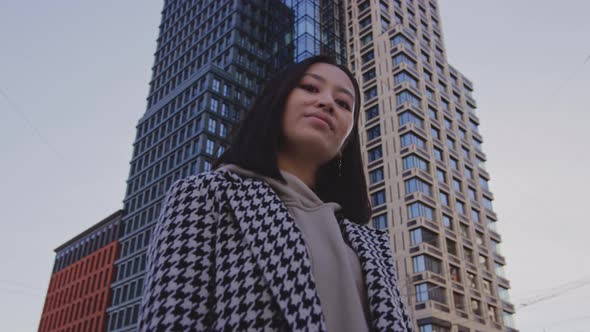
[(227, 256)]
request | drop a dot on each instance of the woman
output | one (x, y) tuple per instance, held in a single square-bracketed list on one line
[(275, 237)]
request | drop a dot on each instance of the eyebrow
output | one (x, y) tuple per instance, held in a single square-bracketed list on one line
[(338, 88)]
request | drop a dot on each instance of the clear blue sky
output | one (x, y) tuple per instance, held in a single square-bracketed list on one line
[(76, 75)]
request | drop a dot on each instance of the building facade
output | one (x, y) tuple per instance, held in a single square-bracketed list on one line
[(426, 168), (79, 288)]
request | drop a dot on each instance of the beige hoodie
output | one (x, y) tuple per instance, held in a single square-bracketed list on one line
[(335, 266)]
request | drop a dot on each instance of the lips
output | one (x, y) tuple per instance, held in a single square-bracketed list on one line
[(323, 118)]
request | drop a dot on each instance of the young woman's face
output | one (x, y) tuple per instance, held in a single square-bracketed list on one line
[(319, 112)]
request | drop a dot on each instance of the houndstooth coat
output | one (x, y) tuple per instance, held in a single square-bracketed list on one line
[(227, 256)]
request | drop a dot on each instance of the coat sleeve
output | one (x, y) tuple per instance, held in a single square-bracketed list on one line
[(180, 263)]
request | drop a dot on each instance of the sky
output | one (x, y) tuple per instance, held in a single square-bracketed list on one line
[(74, 80)]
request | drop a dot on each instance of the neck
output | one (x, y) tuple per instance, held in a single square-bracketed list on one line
[(301, 168)]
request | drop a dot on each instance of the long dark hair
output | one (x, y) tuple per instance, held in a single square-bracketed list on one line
[(259, 137)]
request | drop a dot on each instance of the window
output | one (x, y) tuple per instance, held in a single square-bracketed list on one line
[(447, 222), (405, 77), (444, 198), (459, 301), (372, 112), (462, 133), (472, 194), (378, 198), (408, 97), (503, 294), (367, 76), (438, 154), (371, 93), (452, 247), (215, 85), (401, 59), (214, 104), (440, 175), (483, 262), (451, 143), (373, 132), (209, 147), (375, 154), (380, 221), (418, 209), (365, 22), (220, 150), (456, 185), (499, 269), (417, 185), (411, 138), (427, 291), (426, 263), (455, 273), (400, 39), (468, 173), (366, 39), (466, 152), (468, 254), (460, 207), (367, 57), (477, 144), (487, 286), (492, 313), (472, 280), (420, 235), (410, 117), (448, 123), (427, 76), (376, 175), (487, 203), (212, 125), (413, 161), (484, 183), (464, 230), (429, 94), (432, 112), (475, 215), (222, 130), (435, 132), (476, 307)]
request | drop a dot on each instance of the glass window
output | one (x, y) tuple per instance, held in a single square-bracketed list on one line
[(212, 125), (451, 143), (410, 117), (380, 221), (435, 132), (413, 161), (407, 96), (447, 222), (368, 75), (417, 185), (209, 146), (438, 154), (375, 154), (460, 207), (401, 58), (426, 263), (418, 209), (366, 57), (475, 215), (376, 175), (456, 185), (371, 93), (444, 198), (487, 203), (405, 77), (378, 198), (432, 112), (373, 132), (440, 175), (215, 85), (411, 138), (372, 112), (454, 163), (455, 273), (400, 39)]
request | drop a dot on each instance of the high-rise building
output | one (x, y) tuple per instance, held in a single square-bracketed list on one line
[(80, 284), (210, 62), (422, 148), (426, 168)]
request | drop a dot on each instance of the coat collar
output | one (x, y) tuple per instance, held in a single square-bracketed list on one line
[(280, 251)]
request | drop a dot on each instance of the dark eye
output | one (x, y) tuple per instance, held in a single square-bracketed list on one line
[(308, 87), (344, 104)]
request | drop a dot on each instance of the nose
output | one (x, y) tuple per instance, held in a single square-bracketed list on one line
[(326, 102)]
